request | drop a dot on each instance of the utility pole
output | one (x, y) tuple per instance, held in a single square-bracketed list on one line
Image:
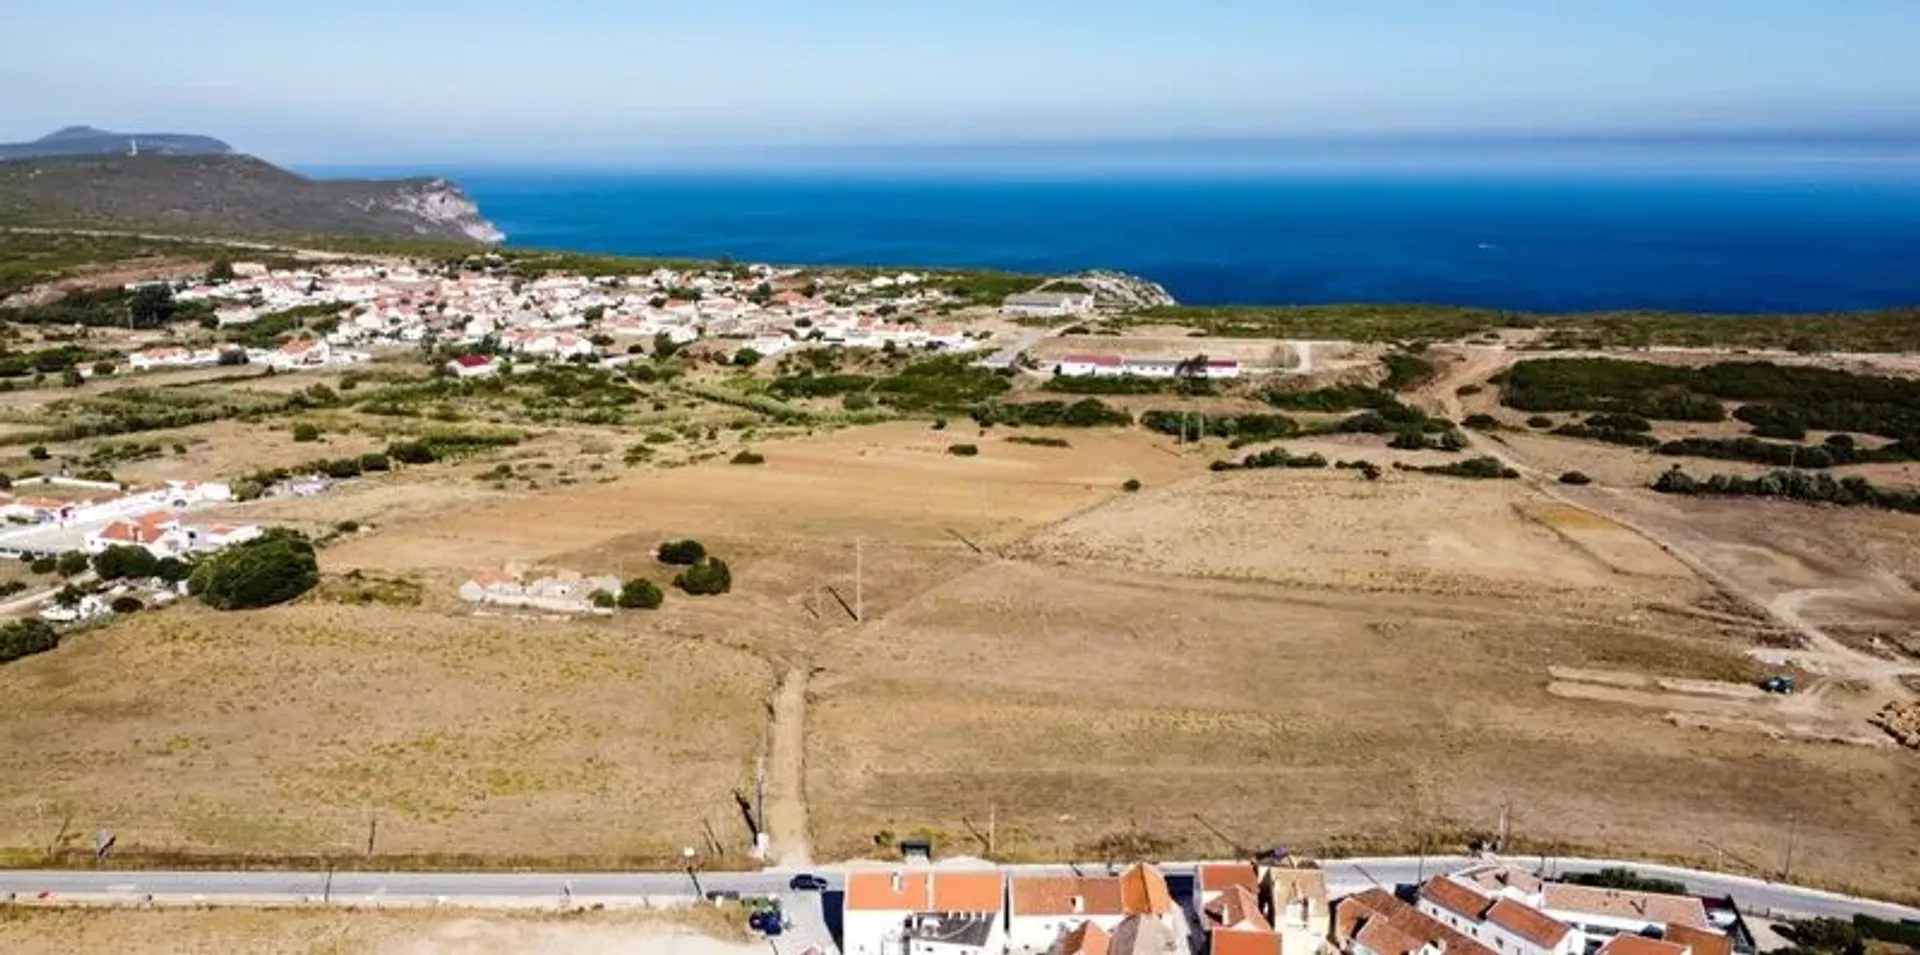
[(859, 568)]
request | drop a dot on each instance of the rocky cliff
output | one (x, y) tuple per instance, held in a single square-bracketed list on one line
[(231, 194)]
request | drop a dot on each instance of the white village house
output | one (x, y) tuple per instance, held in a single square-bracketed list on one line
[(924, 912), (565, 591)]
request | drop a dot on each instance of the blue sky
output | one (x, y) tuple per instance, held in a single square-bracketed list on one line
[(356, 81)]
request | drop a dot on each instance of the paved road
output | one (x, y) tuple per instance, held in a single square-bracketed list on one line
[(483, 888)]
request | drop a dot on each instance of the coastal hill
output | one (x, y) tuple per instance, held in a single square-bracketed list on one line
[(89, 141), (194, 184)]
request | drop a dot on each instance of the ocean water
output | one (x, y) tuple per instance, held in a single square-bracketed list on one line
[(1549, 242)]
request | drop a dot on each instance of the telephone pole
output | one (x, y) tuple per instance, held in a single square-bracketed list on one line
[(1793, 832), (859, 568)]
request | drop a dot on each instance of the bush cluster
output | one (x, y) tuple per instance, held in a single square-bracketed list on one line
[(1794, 485), (1480, 468), (271, 569), (22, 638), (706, 578), (682, 553), (1271, 458), (1238, 429), (1085, 413)]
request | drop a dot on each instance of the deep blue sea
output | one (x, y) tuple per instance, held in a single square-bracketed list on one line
[(1556, 242)]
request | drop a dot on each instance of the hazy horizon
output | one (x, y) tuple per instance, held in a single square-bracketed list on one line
[(575, 82)]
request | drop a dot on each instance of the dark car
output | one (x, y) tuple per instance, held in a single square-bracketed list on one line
[(805, 882), (767, 922)]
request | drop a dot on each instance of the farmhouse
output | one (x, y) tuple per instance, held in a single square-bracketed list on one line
[(924, 912), (1114, 366), (1375, 923), (565, 592), (1047, 304), (474, 366), (162, 534), (1045, 911), (1505, 925), (1603, 912)]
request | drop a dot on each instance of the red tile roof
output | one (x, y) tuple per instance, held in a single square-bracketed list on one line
[(1701, 941), (888, 891), (1051, 895), (1640, 945), (1218, 877), (1529, 923), (1455, 898), (1237, 907), (1088, 939), (1233, 942), (1647, 906), (1356, 915), (1143, 891)]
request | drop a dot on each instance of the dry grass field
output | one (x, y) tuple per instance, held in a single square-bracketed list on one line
[(1282, 657), (398, 932), (283, 732)]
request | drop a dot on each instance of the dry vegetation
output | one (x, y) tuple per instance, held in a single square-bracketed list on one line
[(307, 932), (1285, 657)]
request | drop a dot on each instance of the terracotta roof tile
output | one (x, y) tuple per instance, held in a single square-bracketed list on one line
[(1056, 895), (1529, 923), (1648, 906), (969, 891), (1218, 877), (1143, 891), (1455, 898), (1088, 939), (1381, 937), (1237, 907), (1234, 942), (1701, 941), (1355, 913), (888, 891), (1640, 945)]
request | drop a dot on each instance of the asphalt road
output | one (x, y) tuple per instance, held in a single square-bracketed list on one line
[(517, 888)]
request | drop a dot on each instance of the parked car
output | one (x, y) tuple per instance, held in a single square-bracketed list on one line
[(1778, 684), (767, 922), (807, 882)]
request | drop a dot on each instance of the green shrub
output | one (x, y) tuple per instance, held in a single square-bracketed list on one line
[(684, 553), (172, 569), (118, 562), (1038, 441), (1540, 421), (374, 462), (1482, 422), (748, 457), (856, 401), (271, 569), (1480, 468), (305, 431), (706, 578), (44, 565), (126, 603), (1131, 485), (341, 468), (963, 450), (38, 452), (347, 527), (248, 490), (641, 594), (1575, 478), (602, 599), (22, 638), (72, 562), (411, 452), (747, 358)]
